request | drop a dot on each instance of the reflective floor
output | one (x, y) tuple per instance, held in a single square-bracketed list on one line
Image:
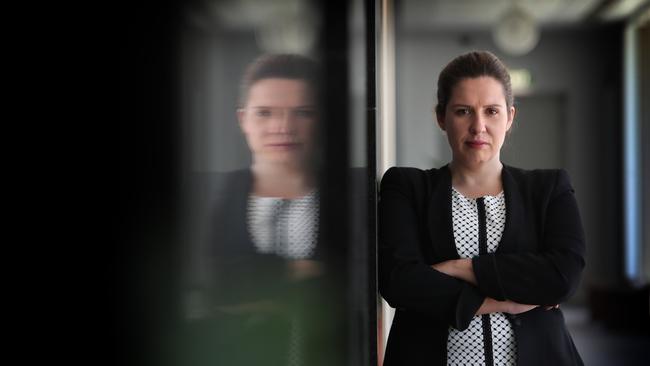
[(600, 346)]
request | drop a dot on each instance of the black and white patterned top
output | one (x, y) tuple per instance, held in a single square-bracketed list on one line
[(468, 347), (285, 227)]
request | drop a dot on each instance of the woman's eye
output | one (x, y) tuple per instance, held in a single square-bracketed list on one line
[(263, 113), (304, 113), (492, 111), (462, 111)]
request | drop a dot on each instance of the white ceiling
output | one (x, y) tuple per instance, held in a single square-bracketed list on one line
[(481, 14)]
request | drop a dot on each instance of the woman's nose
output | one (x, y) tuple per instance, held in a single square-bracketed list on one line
[(281, 122), (478, 124)]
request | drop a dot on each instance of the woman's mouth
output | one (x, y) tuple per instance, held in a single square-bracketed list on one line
[(283, 145), (476, 144)]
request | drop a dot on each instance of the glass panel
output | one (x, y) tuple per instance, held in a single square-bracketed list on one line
[(275, 185)]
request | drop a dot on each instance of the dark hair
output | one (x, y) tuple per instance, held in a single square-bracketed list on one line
[(284, 66), (472, 65)]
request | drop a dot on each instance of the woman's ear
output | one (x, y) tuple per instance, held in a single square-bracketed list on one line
[(511, 117), (441, 121), (241, 118)]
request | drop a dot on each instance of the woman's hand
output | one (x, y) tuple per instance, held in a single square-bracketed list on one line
[(491, 305), (304, 269), (458, 268), (517, 308)]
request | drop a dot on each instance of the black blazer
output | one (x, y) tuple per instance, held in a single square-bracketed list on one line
[(227, 271), (539, 261), (230, 273)]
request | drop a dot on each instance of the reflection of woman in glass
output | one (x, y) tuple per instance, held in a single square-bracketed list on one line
[(476, 255), (278, 116), (263, 256)]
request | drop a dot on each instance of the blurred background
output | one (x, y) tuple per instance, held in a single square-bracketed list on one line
[(581, 74)]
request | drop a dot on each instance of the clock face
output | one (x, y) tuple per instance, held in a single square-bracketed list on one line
[(516, 33)]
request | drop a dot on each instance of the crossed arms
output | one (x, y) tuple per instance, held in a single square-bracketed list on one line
[(453, 291)]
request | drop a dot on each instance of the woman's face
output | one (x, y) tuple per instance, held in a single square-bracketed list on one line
[(278, 120), (476, 121)]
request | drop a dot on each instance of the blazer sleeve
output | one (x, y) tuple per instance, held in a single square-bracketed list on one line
[(546, 277), (406, 281)]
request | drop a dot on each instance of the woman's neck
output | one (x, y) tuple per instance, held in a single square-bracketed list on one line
[(479, 180), (281, 180)]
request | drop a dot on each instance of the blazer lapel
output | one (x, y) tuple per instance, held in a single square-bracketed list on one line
[(440, 225), (515, 213)]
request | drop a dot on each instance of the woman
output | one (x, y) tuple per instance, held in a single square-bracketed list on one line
[(263, 262), (475, 256)]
